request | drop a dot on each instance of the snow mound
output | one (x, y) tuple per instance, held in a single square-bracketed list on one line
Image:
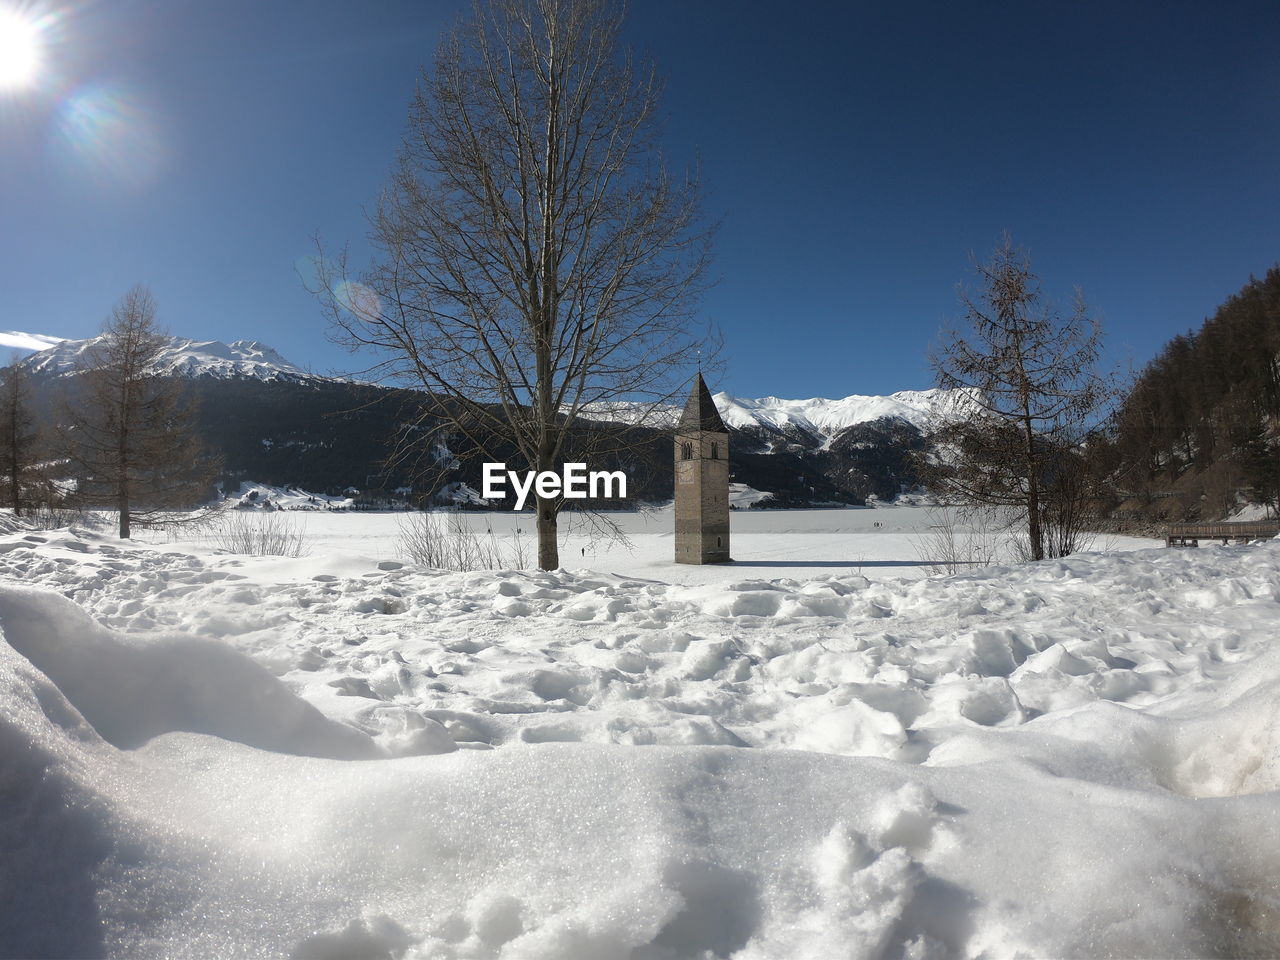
[(132, 692), (11, 524)]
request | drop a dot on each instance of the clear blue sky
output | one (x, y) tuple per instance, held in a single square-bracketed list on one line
[(858, 153)]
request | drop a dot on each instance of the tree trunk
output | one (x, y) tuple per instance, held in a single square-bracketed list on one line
[(122, 489), (15, 464), (1034, 533), (124, 512), (548, 542)]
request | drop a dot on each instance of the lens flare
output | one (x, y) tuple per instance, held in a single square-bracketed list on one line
[(107, 133), (20, 50), (359, 300)]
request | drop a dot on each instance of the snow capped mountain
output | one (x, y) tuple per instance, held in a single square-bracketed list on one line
[(182, 358), (818, 418), (802, 452), (824, 419), (241, 358)]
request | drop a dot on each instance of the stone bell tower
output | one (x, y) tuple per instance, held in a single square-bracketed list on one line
[(702, 481)]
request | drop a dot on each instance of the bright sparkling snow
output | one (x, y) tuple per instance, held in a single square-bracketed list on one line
[(801, 756)]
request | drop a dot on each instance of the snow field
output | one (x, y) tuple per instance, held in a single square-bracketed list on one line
[(889, 541), (1071, 758)]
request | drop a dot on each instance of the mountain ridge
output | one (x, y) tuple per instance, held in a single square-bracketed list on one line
[(825, 419), (182, 357), (274, 422), (820, 417)]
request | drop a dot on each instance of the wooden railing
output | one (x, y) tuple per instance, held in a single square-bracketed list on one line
[(1184, 534)]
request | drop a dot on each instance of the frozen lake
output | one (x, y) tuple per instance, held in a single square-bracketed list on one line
[(879, 543)]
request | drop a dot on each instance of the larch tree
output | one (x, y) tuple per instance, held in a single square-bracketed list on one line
[(130, 434), (535, 258), (1029, 373), (17, 435)]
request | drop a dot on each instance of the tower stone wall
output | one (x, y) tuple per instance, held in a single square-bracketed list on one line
[(701, 481)]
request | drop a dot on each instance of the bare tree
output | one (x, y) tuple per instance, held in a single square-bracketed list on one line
[(17, 434), (131, 436), (1030, 374), (535, 258)]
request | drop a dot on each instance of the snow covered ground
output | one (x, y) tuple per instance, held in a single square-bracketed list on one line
[(342, 755)]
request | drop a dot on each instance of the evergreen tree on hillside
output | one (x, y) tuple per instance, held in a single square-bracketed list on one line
[(1208, 406)]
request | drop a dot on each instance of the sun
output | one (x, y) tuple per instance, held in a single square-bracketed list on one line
[(19, 50)]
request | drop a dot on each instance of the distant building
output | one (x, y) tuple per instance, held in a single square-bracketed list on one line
[(702, 481)]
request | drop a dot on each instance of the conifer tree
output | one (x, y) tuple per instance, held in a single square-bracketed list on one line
[(1029, 373), (131, 433), (17, 434)]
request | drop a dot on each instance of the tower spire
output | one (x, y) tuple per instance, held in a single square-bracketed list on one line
[(700, 411), (701, 480)]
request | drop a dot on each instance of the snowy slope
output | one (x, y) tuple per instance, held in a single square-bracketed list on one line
[(182, 357), (1076, 758), (826, 418), (17, 340), (264, 496), (821, 418)]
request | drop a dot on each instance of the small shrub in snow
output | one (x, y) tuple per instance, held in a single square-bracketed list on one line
[(958, 538), (268, 534), (45, 517), (447, 542)]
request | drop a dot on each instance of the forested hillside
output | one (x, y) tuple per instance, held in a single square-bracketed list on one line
[(1199, 433)]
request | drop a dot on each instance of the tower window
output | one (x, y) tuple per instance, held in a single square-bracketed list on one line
[(686, 451), (715, 450)]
